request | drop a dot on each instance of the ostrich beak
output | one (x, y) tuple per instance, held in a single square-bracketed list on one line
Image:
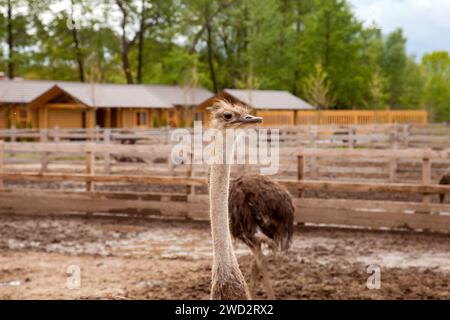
[(247, 119)]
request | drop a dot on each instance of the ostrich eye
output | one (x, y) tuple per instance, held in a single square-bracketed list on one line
[(227, 116)]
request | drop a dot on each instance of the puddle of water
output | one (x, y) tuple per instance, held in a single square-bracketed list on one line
[(398, 259), (13, 283)]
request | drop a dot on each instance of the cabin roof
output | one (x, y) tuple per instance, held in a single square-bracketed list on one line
[(181, 95), (105, 95), (269, 99), (114, 95), (19, 91)]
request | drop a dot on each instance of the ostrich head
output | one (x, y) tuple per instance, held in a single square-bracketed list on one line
[(225, 115)]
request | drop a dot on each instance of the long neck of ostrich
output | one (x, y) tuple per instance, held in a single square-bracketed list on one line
[(219, 184), (224, 256)]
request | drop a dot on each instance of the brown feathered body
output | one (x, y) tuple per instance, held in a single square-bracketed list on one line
[(445, 180), (258, 204)]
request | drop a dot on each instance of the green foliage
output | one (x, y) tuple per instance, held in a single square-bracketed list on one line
[(332, 38), (317, 89), (436, 70), (271, 44), (393, 64), (377, 90)]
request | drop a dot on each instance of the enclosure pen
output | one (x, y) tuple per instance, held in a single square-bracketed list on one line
[(189, 203)]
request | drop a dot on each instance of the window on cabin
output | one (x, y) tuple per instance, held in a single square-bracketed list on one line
[(23, 116), (141, 118)]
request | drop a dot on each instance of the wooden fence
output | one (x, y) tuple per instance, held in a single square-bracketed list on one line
[(97, 134), (357, 164), (356, 117), (313, 136), (187, 196)]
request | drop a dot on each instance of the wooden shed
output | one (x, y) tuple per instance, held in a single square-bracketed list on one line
[(47, 104), (80, 105), (15, 97)]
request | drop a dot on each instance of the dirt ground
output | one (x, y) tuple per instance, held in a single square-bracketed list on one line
[(130, 258)]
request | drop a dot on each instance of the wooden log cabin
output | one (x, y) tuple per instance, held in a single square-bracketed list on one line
[(275, 106), (14, 100), (49, 104)]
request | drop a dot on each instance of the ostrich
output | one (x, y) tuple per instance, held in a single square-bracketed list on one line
[(445, 180), (228, 283), (261, 211)]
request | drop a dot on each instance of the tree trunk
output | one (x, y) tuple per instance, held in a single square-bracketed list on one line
[(210, 58), (76, 43), (208, 19), (79, 55), (125, 44), (126, 63), (141, 44), (10, 42)]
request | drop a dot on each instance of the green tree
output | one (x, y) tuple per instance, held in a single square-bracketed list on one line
[(377, 90), (393, 63), (294, 15), (332, 38), (271, 44), (317, 88), (267, 57), (436, 96), (17, 36), (412, 86)]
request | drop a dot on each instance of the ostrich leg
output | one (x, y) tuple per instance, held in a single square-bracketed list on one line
[(262, 238), (254, 275), (261, 262)]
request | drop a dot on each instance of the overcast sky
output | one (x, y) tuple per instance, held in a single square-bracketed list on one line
[(426, 23)]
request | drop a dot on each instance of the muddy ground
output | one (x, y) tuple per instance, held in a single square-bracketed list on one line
[(130, 258)]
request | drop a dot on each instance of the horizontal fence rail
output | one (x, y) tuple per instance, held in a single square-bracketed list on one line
[(373, 214), (373, 165), (316, 136), (95, 191)]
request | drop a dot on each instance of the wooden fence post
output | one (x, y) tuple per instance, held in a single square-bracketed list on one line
[(13, 133), (313, 137), (190, 173), (2, 156), (166, 131), (107, 154), (406, 135), (351, 137), (97, 134), (44, 155), (392, 169), (56, 134), (300, 172), (90, 167), (313, 144), (170, 165), (426, 177), (395, 136), (298, 136)]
